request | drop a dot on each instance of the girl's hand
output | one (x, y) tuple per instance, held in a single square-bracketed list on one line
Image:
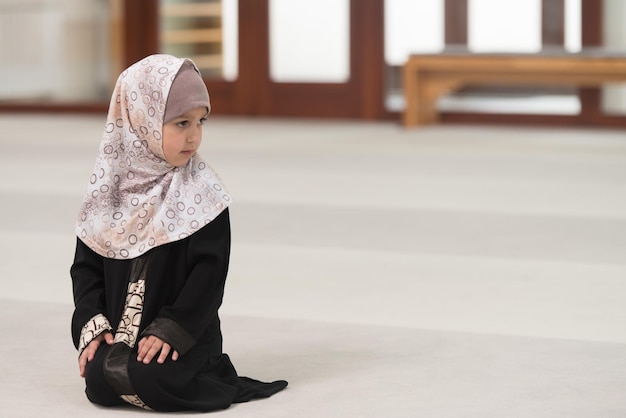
[(149, 347), (90, 351)]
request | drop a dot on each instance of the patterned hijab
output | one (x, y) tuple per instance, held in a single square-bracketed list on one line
[(135, 199)]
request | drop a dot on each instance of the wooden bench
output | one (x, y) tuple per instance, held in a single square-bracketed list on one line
[(428, 77)]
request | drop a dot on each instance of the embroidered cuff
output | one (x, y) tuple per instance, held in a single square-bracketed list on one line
[(172, 333), (94, 327)]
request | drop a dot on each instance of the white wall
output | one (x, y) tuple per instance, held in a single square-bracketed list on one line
[(54, 49), (30, 36), (230, 34), (310, 40), (412, 26), (85, 50), (516, 29)]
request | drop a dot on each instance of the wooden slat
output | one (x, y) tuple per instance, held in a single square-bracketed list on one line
[(191, 36), (191, 9), (208, 60)]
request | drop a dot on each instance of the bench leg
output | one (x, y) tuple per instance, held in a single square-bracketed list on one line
[(427, 103), (411, 117), (421, 94)]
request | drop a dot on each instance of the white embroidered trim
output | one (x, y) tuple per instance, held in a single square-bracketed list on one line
[(136, 401), (94, 327), (128, 329)]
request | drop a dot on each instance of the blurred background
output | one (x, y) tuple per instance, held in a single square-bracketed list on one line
[(469, 268), (322, 58)]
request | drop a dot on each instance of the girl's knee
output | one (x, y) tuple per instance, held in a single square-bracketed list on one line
[(98, 389)]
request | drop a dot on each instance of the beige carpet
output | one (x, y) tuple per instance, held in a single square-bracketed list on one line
[(442, 272)]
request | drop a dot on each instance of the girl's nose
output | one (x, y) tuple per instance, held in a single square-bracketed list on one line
[(195, 135)]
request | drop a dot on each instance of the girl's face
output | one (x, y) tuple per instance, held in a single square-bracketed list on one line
[(182, 136)]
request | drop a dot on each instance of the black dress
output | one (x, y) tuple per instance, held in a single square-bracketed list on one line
[(173, 292)]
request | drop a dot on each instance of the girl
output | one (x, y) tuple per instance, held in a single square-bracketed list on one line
[(152, 253)]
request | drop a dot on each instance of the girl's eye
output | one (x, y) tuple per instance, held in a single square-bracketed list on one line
[(201, 121), (182, 124)]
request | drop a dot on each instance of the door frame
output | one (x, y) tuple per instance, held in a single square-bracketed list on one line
[(253, 93)]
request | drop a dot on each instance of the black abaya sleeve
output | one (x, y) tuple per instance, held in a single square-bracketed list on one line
[(87, 274), (183, 322)]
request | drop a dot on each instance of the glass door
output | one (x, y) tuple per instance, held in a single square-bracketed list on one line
[(205, 31), (322, 58), (58, 51)]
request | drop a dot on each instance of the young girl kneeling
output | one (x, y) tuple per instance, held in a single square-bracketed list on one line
[(152, 253)]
